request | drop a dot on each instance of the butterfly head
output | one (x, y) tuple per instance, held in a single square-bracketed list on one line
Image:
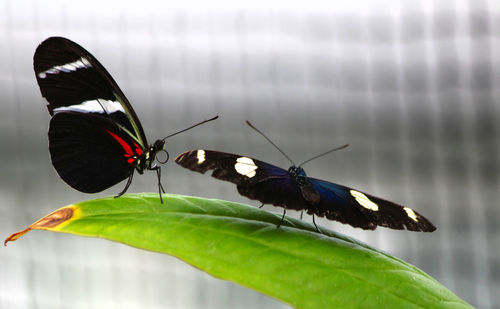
[(297, 171), (159, 146)]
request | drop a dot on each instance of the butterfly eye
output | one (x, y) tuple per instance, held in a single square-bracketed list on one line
[(159, 145)]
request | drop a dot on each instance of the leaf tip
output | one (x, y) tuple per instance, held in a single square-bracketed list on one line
[(15, 236), (51, 221)]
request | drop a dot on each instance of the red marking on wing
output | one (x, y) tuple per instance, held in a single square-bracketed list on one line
[(126, 147), (128, 150), (138, 149)]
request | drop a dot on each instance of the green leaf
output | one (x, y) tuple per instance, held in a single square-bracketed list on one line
[(241, 243)]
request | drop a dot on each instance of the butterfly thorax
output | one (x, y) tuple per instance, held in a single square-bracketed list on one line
[(309, 193), (146, 160)]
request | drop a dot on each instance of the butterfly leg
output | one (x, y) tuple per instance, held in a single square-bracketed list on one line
[(316, 225), (160, 187), (301, 213), (282, 219), (261, 205), (129, 181)]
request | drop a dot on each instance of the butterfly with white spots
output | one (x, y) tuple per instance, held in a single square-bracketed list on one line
[(293, 189)]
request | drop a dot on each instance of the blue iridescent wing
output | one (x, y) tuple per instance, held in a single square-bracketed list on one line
[(254, 179), (363, 210)]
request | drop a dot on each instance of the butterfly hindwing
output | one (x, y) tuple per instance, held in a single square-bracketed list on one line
[(90, 153), (71, 79)]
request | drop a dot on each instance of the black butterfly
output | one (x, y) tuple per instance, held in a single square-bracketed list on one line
[(293, 189), (95, 137)]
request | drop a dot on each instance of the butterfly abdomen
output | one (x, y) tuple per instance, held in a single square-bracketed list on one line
[(310, 194)]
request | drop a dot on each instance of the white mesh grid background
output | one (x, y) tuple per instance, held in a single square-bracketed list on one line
[(413, 87)]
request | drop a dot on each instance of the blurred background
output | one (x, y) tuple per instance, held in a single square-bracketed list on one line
[(413, 87)]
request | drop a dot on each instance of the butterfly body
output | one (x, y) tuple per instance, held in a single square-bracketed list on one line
[(309, 192), (293, 189)]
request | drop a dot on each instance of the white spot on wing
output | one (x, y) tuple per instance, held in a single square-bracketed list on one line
[(411, 214), (363, 200), (93, 106), (200, 154), (81, 63), (245, 166)]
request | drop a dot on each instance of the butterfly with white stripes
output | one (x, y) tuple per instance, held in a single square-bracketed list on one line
[(95, 137)]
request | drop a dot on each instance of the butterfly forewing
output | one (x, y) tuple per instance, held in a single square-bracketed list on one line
[(255, 179), (71, 79), (226, 166), (338, 203)]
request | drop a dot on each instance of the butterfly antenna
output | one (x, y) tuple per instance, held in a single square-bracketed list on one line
[(270, 141), (191, 127), (325, 153)]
